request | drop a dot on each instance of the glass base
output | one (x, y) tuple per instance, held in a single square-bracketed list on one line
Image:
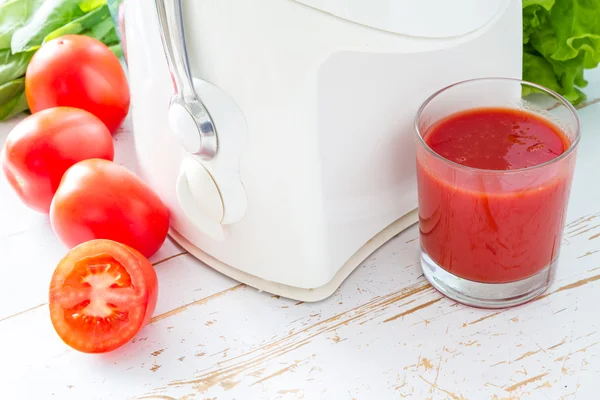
[(486, 295)]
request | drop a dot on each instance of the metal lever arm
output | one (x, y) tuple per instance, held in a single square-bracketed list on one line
[(189, 118)]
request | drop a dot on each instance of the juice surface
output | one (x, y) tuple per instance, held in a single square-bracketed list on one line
[(488, 235), (498, 139)]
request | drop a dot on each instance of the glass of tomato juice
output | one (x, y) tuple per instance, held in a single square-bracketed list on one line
[(495, 160)]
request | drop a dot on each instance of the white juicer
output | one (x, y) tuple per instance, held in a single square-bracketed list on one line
[(280, 132)]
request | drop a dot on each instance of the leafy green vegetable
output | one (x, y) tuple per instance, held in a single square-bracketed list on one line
[(547, 4), (117, 50), (561, 38), (13, 14), (105, 31), (89, 5), (12, 98), (13, 66), (88, 21), (111, 37), (51, 15), (545, 75)]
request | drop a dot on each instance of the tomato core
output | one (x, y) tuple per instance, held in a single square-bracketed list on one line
[(96, 278)]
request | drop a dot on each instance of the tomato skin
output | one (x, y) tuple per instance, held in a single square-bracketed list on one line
[(39, 150), (151, 282), (81, 72), (137, 295), (98, 199)]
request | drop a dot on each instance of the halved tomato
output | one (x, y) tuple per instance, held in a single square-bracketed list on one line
[(101, 294)]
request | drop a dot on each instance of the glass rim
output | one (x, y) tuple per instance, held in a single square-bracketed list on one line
[(456, 165)]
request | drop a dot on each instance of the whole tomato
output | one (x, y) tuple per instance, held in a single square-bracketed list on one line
[(39, 150), (78, 71), (98, 199)]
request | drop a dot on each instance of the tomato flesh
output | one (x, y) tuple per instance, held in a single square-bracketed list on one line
[(102, 293)]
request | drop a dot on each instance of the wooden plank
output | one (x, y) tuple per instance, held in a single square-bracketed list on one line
[(245, 343)]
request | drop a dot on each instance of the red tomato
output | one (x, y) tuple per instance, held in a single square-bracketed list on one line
[(39, 150), (98, 199), (101, 294), (78, 71)]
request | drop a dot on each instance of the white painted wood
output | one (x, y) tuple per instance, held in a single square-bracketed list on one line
[(386, 334)]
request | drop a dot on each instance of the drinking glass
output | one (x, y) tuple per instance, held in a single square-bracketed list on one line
[(491, 238)]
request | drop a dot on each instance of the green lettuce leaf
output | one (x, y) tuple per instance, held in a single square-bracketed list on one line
[(117, 50), (539, 67), (577, 24), (89, 5), (81, 24), (12, 98), (13, 66), (13, 15), (104, 31), (547, 4), (50, 16), (111, 37), (562, 37)]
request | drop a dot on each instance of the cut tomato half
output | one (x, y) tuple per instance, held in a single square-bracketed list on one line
[(101, 294)]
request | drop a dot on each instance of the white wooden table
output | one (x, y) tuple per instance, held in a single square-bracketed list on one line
[(385, 334)]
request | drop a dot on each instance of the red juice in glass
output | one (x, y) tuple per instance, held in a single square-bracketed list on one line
[(494, 178)]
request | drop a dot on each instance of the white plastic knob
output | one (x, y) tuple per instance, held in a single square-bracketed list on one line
[(198, 194)]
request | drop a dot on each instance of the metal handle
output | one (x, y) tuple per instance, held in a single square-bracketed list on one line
[(188, 116)]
